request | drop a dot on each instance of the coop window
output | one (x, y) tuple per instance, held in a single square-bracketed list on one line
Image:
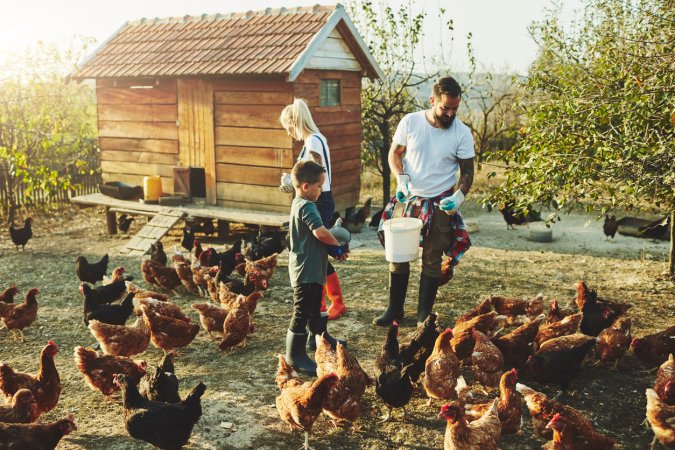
[(330, 93)]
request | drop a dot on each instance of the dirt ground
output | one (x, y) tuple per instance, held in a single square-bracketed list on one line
[(238, 405)]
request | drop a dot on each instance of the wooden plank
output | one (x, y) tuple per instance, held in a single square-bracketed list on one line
[(157, 95), (209, 144), (143, 130), (248, 85), (248, 116), (336, 131), (255, 207), (163, 170), (128, 82), (251, 193), (252, 137), (333, 63), (138, 157), (252, 98), (346, 200), (142, 113), (353, 115), (150, 145), (235, 173), (351, 96), (337, 155), (348, 79), (346, 165), (267, 157)]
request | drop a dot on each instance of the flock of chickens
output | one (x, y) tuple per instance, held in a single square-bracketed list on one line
[(548, 348), (501, 339), (153, 409)]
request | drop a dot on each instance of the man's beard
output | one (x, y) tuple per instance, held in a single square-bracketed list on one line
[(443, 121)]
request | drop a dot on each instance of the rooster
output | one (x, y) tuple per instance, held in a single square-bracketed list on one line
[(21, 236)]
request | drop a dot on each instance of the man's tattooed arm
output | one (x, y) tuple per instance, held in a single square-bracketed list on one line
[(466, 175)]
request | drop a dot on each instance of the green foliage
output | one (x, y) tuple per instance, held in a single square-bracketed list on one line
[(600, 109), (394, 39), (47, 126)]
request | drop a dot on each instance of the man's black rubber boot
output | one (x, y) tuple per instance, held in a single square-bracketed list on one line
[(398, 285), (428, 290), (311, 344), (296, 355)]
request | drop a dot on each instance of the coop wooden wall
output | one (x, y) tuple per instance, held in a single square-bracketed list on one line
[(252, 148), (342, 127), (138, 132)]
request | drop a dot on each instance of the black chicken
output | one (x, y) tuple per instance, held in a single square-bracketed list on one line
[(188, 239), (513, 217), (21, 236), (611, 226), (418, 346), (157, 253), (91, 272), (392, 381), (112, 292), (354, 223), (124, 222), (266, 244), (204, 225), (227, 260), (161, 385), (377, 217), (164, 425), (112, 314), (558, 367)]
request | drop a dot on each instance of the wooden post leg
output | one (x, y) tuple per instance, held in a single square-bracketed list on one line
[(111, 221), (223, 229)]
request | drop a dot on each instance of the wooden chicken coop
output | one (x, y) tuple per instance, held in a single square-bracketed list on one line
[(206, 92)]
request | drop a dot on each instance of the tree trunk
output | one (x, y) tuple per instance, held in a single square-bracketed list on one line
[(671, 266)]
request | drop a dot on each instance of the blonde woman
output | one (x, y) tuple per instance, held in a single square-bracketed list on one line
[(297, 120)]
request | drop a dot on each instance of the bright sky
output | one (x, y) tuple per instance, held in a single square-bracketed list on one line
[(499, 27)]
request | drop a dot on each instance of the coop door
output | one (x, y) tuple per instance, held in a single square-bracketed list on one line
[(196, 131)]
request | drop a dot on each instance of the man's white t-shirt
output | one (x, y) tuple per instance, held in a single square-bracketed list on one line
[(313, 144), (431, 153)]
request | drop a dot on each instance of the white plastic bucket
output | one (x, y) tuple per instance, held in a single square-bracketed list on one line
[(402, 239)]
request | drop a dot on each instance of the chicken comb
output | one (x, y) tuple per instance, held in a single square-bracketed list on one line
[(554, 420), (52, 344), (394, 324)]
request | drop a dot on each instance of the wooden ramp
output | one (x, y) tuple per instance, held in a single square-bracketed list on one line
[(160, 224)]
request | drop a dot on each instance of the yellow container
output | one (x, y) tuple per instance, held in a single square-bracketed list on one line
[(152, 188)]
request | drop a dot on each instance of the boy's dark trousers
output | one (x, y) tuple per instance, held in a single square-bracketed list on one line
[(306, 306)]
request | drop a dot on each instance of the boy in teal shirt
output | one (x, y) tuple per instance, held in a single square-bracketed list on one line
[(307, 263)]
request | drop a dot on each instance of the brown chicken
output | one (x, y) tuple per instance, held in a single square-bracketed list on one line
[(199, 277), (18, 317), (184, 272), (168, 333), (146, 273), (35, 436), (99, 370), (614, 341), (486, 359), (167, 308), (324, 356), (661, 418), (509, 407), (463, 341), (22, 409), (664, 376), (564, 342), (211, 317), (236, 327), (45, 385), (143, 293), (584, 295), (481, 434), (556, 313), (567, 325), (483, 307), (511, 306), (517, 345), (441, 369), (542, 409), (343, 402), (164, 277), (7, 296), (117, 275), (287, 376), (655, 348), (212, 287), (563, 437), (300, 405), (447, 271), (120, 340)]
